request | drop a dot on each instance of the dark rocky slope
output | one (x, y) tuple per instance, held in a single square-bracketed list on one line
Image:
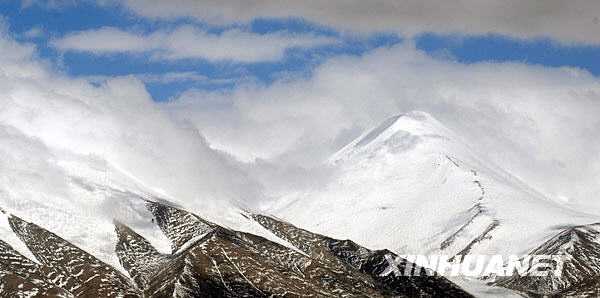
[(579, 247), (207, 260), (345, 254)]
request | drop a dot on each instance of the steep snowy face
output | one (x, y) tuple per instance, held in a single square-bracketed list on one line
[(397, 134), (414, 186), (79, 196)]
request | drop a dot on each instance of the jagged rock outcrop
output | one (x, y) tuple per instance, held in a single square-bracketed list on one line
[(138, 256), (227, 263), (71, 268), (207, 260), (21, 277), (347, 254), (179, 226)]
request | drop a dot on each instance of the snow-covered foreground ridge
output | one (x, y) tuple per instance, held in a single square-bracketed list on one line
[(416, 187)]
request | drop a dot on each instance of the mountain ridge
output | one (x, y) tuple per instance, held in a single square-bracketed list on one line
[(213, 262), (415, 187)]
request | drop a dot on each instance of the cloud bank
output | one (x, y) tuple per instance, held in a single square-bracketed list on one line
[(117, 121), (189, 42), (539, 123), (572, 21)]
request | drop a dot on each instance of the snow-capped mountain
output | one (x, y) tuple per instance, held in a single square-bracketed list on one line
[(409, 186), (93, 229), (414, 186), (78, 197)]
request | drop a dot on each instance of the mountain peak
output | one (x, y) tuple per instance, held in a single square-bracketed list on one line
[(398, 133), (410, 122)]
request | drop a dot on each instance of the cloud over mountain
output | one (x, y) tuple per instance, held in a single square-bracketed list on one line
[(538, 122), (116, 120)]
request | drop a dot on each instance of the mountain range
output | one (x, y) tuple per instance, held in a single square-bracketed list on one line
[(409, 186), (207, 260)]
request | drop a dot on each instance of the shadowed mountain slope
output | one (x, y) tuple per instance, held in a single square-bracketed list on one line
[(579, 248), (207, 260)]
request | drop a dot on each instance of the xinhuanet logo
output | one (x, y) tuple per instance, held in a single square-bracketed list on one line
[(474, 265)]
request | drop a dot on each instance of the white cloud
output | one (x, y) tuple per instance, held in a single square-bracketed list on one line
[(539, 123), (54, 130), (104, 40), (572, 21), (116, 120), (188, 42)]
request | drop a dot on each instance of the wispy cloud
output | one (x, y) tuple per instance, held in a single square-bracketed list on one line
[(34, 32), (170, 77), (189, 42), (165, 78), (104, 41)]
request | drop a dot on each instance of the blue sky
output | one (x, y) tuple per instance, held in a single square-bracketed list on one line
[(54, 23)]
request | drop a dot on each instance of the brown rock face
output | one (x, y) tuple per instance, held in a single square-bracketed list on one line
[(207, 260)]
